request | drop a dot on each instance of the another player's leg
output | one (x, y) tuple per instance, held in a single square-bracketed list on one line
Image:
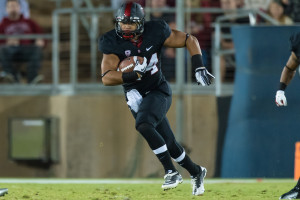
[(293, 193), (151, 111), (178, 154), (3, 191)]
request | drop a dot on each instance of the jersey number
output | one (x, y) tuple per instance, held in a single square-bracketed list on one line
[(152, 64)]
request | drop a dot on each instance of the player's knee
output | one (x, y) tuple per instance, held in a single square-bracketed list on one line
[(143, 127)]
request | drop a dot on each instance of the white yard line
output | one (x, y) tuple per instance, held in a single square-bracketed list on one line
[(128, 181)]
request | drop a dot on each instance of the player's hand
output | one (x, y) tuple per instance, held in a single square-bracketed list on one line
[(280, 98), (140, 68), (134, 99), (203, 77)]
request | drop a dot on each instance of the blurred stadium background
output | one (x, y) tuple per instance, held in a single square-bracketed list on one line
[(71, 126)]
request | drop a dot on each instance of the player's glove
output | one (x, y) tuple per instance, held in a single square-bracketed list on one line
[(280, 98), (134, 99), (140, 68), (203, 77)]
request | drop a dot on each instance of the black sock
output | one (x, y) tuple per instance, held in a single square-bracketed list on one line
[(157, 144), (166, 161), (190, 166)]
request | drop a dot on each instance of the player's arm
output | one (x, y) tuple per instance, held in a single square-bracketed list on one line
[(289, 70), (179, 39), (110, 75), (109, 66), (287, 75)]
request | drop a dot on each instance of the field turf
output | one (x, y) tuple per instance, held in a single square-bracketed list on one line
[(140, 189)]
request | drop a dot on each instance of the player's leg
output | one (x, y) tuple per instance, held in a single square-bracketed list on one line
[(151, 112), (293, 193), (3, 191), (178, 154)]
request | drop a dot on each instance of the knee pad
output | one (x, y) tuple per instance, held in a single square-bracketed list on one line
[(150, 134), (144, 128)]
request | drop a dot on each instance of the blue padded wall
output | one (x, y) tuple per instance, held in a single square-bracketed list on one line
[(260, 137)]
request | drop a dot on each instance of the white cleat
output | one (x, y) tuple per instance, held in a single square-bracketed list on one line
[(172, 180), (198, 182)]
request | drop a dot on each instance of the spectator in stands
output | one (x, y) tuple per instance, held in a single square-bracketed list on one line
[(240, 4), (227, 62), (168, 17), (14, 50), (24, 9), (168, 58), (292, 9), (276, 11), (200, 27), (257, 4)]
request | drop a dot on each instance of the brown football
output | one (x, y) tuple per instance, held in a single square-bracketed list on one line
[(128, 64)]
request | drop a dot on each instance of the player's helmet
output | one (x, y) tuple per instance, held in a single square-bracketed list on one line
[(130, 12)]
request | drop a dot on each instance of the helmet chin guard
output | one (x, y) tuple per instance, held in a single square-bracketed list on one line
[(130, 13)]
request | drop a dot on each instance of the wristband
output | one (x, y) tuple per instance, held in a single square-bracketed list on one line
[(186, 37), (282, 86), (197, 61), (129, 77)]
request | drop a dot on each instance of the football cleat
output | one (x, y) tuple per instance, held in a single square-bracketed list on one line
[(3, 191), (292, 194), (172, 179), (198, 182)]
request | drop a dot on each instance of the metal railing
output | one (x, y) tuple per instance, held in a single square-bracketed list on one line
[(223, 89), (74, 87), (180, 87)]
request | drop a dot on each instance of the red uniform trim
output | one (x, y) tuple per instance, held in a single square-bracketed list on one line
[(127, 12)]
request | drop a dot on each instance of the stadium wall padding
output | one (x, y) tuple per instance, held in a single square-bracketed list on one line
[(98, 138), (260, 137)]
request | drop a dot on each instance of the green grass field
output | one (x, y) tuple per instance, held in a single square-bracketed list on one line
[(140, 189)]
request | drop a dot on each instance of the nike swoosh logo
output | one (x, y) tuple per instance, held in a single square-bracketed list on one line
[(147, 49)]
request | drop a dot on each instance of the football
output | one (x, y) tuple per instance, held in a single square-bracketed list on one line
[(128, 64)]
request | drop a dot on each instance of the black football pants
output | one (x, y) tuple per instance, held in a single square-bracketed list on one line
[(152, 114)]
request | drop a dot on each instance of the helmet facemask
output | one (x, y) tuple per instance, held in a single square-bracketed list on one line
[(129, 35)]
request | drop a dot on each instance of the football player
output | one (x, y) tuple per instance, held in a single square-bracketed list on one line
[(147, 92), (287, 75), (293, 193), (289, 69)]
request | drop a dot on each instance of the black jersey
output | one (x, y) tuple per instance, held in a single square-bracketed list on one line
[(154, 35), (295, 44)]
